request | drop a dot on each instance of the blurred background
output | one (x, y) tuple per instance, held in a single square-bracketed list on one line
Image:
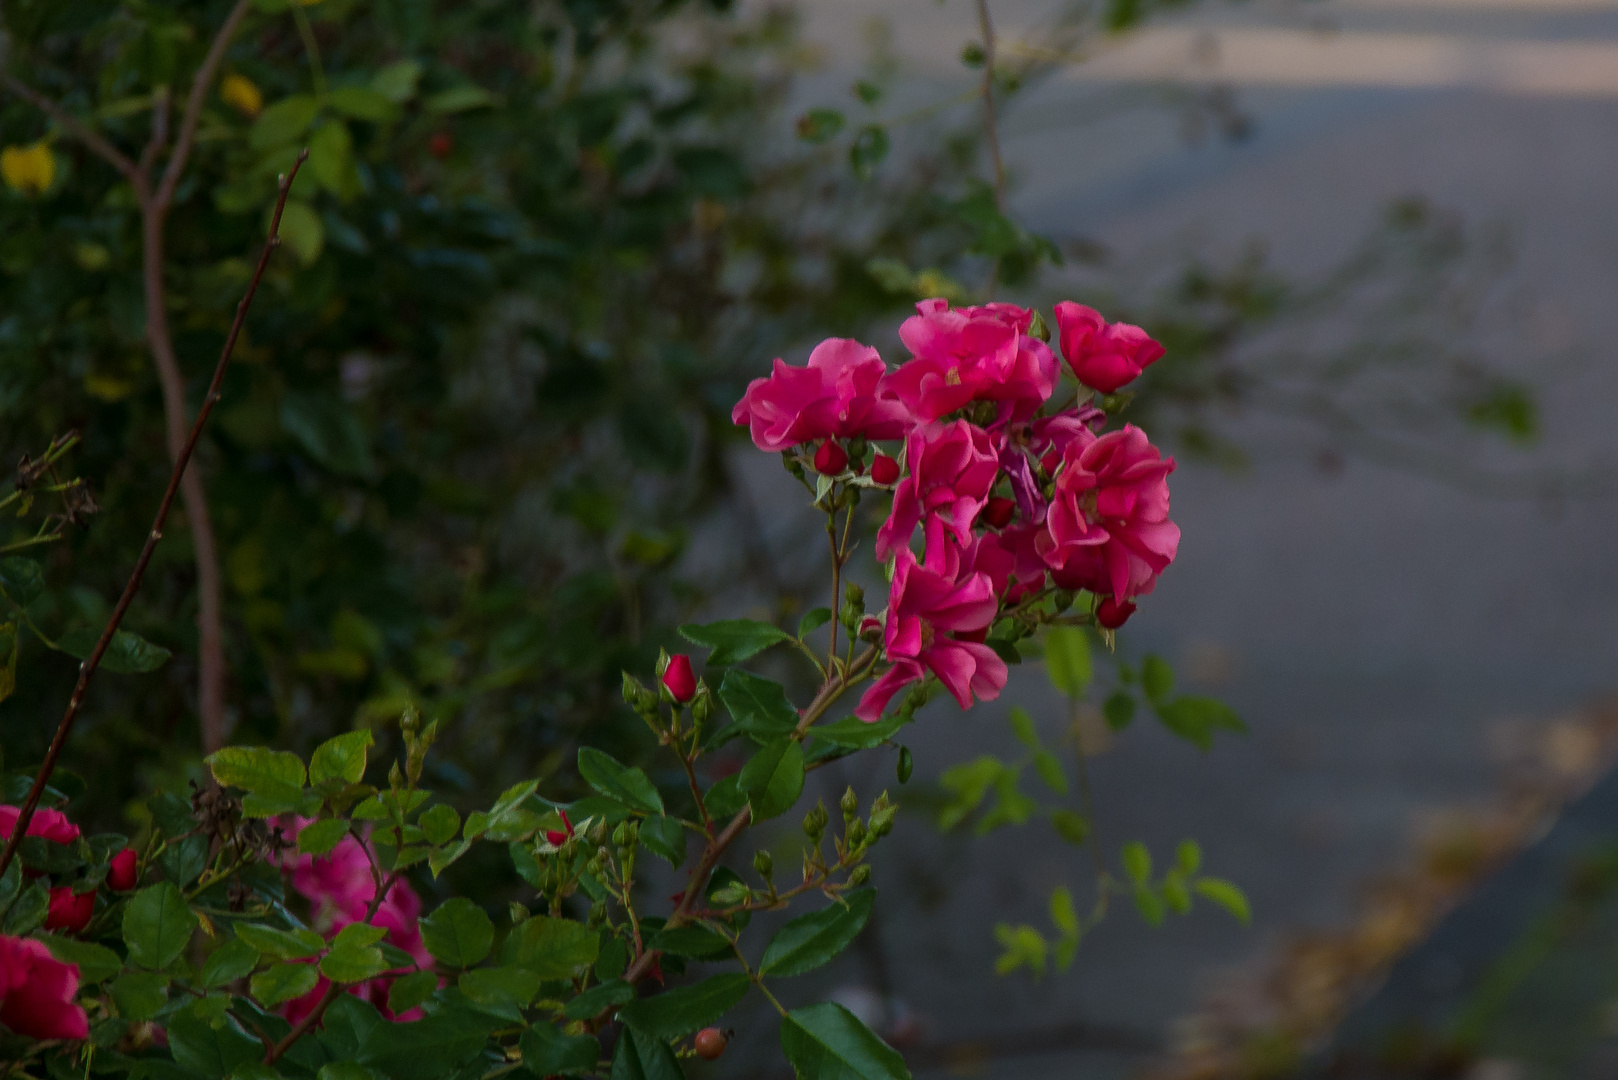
[(478, 453)]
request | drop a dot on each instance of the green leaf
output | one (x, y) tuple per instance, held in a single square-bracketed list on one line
[(820, 125), (641, 1057), (869, 149), (773, 779), (1188, 857), (363, 103), (1148, 904), (157, 926), (1067, 659), (685, 1009), (28, 910), (95, 962), (439, 858), (461, 99), (439, 823), (852, 733), (140, 995), (967, 783), (555, 948), (201, 1049), (281, 944), (1227, 895), (319, 837), (21, 579), (411, 990), (1024, 947), (1022, 726), (1137, 862), (458, 934), (305, 235), (397, 82), (283, 122), (827, 1042), (339, 1070), (1156, 679), (619, 782), (283, 982), (814, 939), (500, 986), (1119, 709), (725, 798), (354, 956), (758, 705), (1070, 826), (813, 620), (1050, 771), (233, 960), (331, 158), (696, 941), (734, 640), (1175, 894), (1195, 719), (1063, 915), (547, 1052), (665, 838), (254, 768), (597, 999), (341, 758), (127, 654)]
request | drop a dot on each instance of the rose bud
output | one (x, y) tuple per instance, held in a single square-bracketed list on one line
[(440, 144), (830, 459), (1111, 614), (122, 872), (68, 912), (885, 470), (997, 512), (710, 1043), (679, 680)]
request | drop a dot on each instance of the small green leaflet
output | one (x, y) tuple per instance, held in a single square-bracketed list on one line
[(773, 779), (281, 944), (607, 995), (685, 1009), (127, 654), (619, 782), (552, 947), (458, 933), (811, 940), (1067, 659), (255, 767), (759, 706), (547, 1052), (640, 1057), (95, 962), (283, 982), (157, 926), (341, 758), (733, 640), (827, 1042)]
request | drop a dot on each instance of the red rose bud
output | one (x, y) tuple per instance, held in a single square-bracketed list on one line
[(678, 678), (1050, 461), (67, 912), (441, 144), (121, 872), (998, 512), (710, 1043), (1111, 614), (884, 470), (979, 635), (830, 459)]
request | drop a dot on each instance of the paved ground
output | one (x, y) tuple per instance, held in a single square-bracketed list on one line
[(1371, 626)]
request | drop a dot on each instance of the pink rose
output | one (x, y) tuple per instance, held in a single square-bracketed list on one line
[(972, 354), (1103, 356), (53, 825), (952, 470), (932, 617), (840, 394), (37, 992), (1108, 527)]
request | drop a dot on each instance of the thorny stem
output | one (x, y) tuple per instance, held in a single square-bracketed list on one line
[(836, 586), (88, 668), (1085, 802)]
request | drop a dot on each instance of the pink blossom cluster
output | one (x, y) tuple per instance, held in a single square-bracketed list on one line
[(340, 887), (1011, 498)]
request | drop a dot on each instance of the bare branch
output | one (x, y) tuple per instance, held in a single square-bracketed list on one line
[(991, 127), (80, 131), (164, 195)]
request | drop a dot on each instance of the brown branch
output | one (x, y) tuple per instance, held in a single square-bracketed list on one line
[(193, 105), (991, 128), (88, 668), (80, 131)]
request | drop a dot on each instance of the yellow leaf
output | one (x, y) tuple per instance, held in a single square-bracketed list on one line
[(241, 94), (28, 169)]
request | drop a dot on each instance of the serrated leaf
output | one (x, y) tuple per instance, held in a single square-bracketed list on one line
[(341, 758), (554, 948), (773, 779), (140, 995), (827, 1042), (439, 823), (283, 122), (852, 733), (599, 998), (812, 940), (157, 926), (1227, 895), (458, 933), (696, 941), (21, 580), (95, 962), (409, 991), (1067, 659), (547, 1052), (733, 640), (319, 837), (500, 986), (127, 654), (759, 706), (283, 982), (354, 955), (813, 620), (619, 782), (28, 910), (253, 768), (640, 1057), (685, 1009), (665, 838), (233, 960), (281, 944), (439, 858)]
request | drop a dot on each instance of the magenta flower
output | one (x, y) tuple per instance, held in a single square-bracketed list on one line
[(1103, 356), (37, 992), (840, 394), (678, 678), (1108, 527), (69, 912), (53, 825), (932, 614), (952, 470), (972, 354)]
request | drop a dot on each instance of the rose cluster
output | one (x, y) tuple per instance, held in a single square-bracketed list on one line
[(340, 886), (37, 990), (1012, 499)]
